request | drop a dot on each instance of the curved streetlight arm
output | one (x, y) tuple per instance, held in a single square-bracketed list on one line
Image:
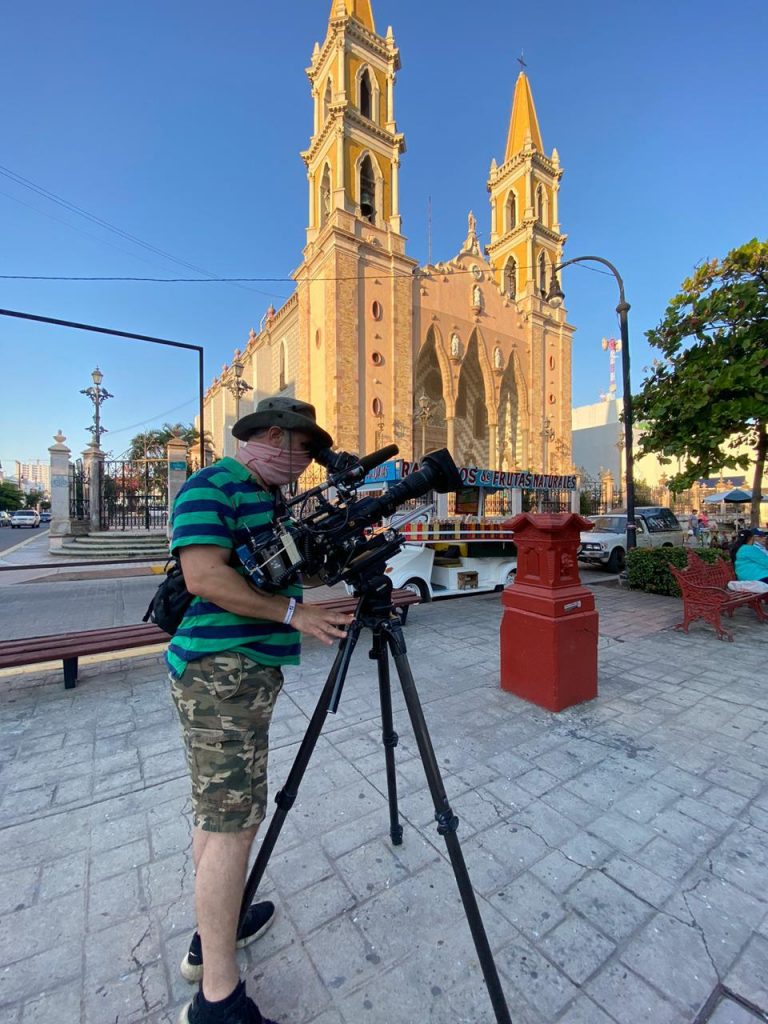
[(622, 309)]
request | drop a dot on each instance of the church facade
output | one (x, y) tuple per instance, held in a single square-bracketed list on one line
[(465, 353)]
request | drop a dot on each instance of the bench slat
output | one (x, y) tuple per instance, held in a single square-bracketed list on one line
[(68, 647)]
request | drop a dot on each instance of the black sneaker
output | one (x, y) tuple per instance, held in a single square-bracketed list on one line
[(242, 1011), (258, 919)]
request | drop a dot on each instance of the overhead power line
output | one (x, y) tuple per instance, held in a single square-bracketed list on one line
[(236, 280), (19, 179)]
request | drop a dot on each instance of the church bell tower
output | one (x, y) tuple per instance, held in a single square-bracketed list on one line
[(355, 286)]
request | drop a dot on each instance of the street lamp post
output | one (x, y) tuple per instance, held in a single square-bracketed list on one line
[(555, 299), (547, 435), (97, 395), (235, 383), (424, 413)]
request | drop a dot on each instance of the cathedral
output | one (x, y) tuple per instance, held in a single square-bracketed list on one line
[(466, 353)]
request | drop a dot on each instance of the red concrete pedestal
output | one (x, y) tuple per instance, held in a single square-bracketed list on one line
[(549, 626)]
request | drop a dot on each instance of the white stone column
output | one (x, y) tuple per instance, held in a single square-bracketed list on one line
[(450, 441), (493, 451), (516, 501), (59, 492), (176, 452), (93, 463)]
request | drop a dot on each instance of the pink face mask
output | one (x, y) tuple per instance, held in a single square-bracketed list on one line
[(275, 466)]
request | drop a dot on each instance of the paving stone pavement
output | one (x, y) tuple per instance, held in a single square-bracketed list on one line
[(619, 849)]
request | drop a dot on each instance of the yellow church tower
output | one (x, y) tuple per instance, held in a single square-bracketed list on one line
[(526, 244), (355, 285)]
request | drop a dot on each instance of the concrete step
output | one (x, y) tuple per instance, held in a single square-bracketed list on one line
[(131, 545)]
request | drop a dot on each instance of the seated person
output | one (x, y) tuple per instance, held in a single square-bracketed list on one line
[(750, 559)]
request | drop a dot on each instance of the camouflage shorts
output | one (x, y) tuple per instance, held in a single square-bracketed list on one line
[(225, 704)]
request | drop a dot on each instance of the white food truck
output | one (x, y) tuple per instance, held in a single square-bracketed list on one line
[(460, 544)]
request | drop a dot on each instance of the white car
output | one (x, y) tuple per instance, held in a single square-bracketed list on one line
[(24, 517), (606, 544)]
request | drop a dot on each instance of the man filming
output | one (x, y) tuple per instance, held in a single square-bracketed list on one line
[(225, 665)]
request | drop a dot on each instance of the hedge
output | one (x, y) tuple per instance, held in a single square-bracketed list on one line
[(648, 568)]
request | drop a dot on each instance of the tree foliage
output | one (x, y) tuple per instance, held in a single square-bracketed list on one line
[(34, 498), (11, 497), (708, 394), (152, 443)]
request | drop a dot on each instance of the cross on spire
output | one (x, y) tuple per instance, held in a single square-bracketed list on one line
[(521, 61)]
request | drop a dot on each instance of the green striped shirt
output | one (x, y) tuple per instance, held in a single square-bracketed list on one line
[(217, 506)]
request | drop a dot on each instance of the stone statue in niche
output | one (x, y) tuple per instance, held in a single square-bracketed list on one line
[(477, 298), (455, 347), (498, 359)]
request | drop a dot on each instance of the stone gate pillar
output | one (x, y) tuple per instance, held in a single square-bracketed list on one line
[(176, 452), (93, 464), (59, 492)]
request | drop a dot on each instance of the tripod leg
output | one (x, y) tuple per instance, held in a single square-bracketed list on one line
[(447, 822), (285, 798), (380, 654)]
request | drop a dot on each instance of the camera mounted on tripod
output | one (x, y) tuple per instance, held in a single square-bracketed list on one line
[(336, 540)]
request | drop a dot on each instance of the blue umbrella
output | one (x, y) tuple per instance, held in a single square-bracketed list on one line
[(735, 496)]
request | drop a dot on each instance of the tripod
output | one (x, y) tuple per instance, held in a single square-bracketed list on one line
[(374, 611)]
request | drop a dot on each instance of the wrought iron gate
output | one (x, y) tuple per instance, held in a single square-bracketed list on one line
[(135, 495), (79, 497)]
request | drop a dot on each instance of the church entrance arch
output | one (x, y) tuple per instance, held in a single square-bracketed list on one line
[(430, 430), (510, 438), (471, 429)]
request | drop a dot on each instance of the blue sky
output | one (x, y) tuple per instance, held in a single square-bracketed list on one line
[(181, 121)]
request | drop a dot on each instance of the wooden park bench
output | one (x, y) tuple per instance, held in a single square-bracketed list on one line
[(705, 593), (68, 647)]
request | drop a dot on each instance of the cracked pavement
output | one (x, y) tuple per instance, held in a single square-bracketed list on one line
[(618, 849)]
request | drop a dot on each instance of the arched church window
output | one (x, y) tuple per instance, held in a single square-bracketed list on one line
[(366, 95), (367, 191), (325, 196), (511, 211), (510, 278), (327, 100), (542, 273), (480, 419)]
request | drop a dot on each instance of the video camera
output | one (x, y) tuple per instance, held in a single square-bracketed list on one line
[(336, 541)]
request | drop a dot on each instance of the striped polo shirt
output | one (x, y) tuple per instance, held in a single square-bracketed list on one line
[(217, 506)]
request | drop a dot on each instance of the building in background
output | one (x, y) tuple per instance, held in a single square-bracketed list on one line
[(465, 352), (33, 476)]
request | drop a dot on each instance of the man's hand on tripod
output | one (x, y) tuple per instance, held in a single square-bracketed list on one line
[(323, 623)]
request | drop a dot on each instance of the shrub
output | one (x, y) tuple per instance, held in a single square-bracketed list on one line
[(648, 568)]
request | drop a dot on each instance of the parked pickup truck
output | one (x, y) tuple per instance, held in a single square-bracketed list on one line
[(606, 544)]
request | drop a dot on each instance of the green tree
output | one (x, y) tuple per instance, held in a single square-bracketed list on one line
[(34, 498), (11, 497), (152, 443), (708, 395)]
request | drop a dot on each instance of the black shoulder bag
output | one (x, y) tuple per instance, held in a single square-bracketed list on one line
[(171, 599)]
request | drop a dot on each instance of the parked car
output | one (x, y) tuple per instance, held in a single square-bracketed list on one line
[(5, 518), (45, 517), (25, 517), (606, 544)]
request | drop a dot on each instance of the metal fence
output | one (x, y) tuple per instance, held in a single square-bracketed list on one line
[(79, 492), (135, 494)]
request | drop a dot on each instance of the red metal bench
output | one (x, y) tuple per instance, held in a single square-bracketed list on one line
[(68, 647), (705, 592)]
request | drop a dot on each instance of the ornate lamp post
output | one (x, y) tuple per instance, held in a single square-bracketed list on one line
[(424, 414), (97, 395), (236, 384), (555, 298), (547, 434)]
